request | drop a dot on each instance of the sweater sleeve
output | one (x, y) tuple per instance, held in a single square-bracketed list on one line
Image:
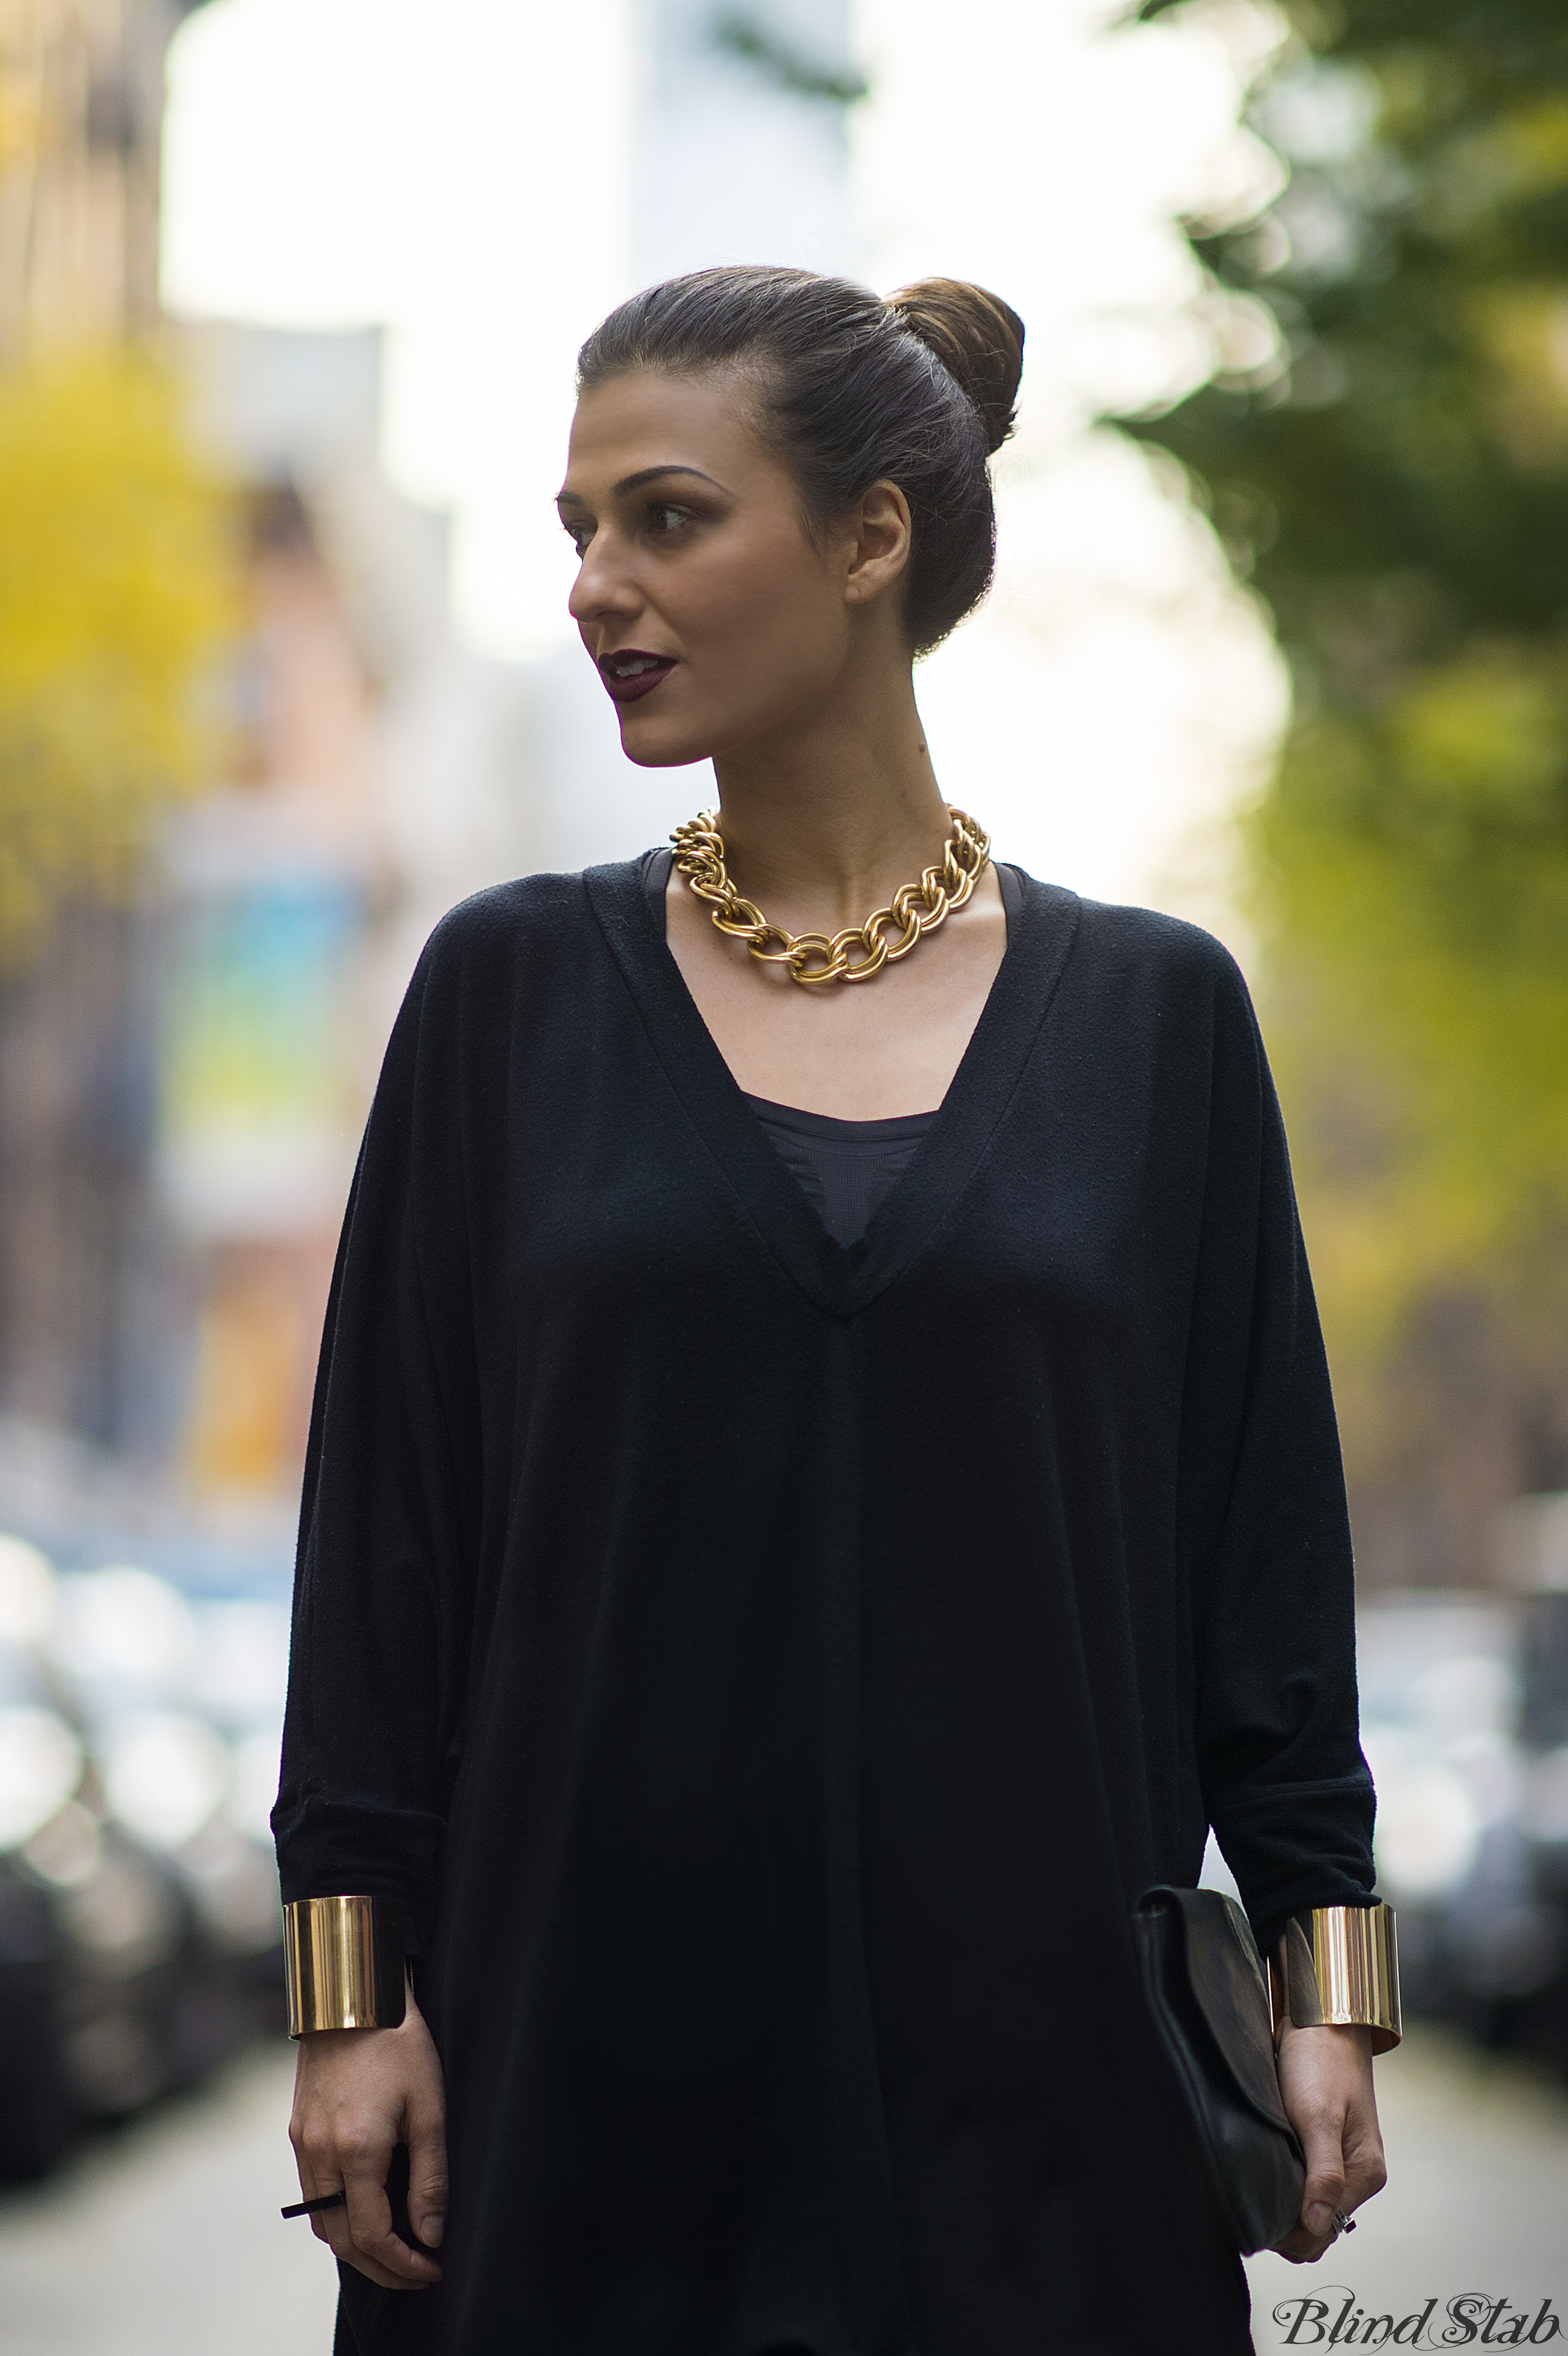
[(1284, 1783), (373, 1723)]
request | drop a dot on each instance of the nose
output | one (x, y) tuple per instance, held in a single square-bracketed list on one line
[(603, 590)]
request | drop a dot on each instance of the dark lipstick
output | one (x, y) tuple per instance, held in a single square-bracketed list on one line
[(630, 672)]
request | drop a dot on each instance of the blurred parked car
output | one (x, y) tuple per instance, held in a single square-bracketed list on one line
[(1465, 1722), (1465, 1725), (140, 1928), (139, 1917)]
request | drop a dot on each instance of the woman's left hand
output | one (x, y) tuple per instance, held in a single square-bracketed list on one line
[(1326, 2080)]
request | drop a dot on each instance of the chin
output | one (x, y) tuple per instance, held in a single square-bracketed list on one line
[(651, 746)]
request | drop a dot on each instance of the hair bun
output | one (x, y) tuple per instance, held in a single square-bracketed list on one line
[(978, 338)]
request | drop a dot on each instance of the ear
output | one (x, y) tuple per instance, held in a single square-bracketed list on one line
[(879, 548)]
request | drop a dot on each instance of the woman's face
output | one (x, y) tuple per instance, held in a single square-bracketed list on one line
[(712, 617)]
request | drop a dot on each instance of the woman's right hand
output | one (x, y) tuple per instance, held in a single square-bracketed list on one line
[(359, 2092)]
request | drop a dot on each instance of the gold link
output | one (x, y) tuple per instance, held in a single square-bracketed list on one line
[(811, 958), (868, 965), (914, 924), (804, 945), (742, 919), (766, 955)]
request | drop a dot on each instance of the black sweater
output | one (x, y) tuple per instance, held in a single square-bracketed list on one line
[(769, 1671)]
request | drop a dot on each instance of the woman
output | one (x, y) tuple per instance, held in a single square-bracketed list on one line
[(824, 1483)]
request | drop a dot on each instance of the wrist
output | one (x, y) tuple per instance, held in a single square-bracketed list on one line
[(1351, 2036)]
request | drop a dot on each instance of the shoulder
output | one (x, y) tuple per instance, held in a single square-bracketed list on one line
[(1117, 946), (536, 924), (508, 917), (1135, 989), (1182, 957), (521, 959)]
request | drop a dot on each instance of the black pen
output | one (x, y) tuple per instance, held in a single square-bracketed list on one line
[(338, 2200)]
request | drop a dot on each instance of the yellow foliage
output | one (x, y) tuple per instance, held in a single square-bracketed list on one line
[(118, 585), (1483, 170), (19, 117), (1417, 863)]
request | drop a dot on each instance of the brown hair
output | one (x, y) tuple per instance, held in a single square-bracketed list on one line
[(918, 391)]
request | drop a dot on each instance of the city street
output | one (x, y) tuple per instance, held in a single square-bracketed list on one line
[(1117, 458), (1476, 2200), (168, 2242)]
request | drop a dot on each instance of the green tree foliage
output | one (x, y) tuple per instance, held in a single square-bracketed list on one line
[(1396, 486), (116, 589)]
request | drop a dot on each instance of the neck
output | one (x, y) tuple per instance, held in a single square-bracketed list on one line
[(823, 825)]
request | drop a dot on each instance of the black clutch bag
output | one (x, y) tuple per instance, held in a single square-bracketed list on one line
[(1207, 1992)]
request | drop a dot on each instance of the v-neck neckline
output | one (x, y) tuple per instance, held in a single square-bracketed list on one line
[(842, 1280)]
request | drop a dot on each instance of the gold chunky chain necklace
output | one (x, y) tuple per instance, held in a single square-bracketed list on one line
[(810, 957)]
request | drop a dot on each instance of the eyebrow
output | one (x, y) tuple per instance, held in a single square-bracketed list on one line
[(636, 483)]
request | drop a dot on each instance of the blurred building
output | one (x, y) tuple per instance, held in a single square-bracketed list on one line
[(738, 152), (183, 1078), (81, 102), (184, 1067), (751, 101), (81, 119), (380, 771)]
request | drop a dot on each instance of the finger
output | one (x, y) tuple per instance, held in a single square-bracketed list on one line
[(1302, 2248), (370, 2230), (427, 2178), (331, 2226), (377, 2274), (322, 2169), (1324, 2191), (1366, 2170), (318, 2174), (376, 2265), (1361, 2182), (1301, 2245)]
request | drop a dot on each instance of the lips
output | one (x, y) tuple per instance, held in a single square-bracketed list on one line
[(630, 672)]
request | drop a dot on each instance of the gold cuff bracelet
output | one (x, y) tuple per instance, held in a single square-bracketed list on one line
[(1339, 1967), (343, 1964)]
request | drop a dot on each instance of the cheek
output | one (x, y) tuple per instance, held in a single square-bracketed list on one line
[(765, 605)]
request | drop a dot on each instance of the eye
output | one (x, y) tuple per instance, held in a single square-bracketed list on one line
[(665, 520), (580, 534)]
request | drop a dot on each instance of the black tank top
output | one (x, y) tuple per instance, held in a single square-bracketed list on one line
[(845, 1169)]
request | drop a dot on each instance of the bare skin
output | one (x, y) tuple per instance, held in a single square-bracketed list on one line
[(789, 669), (1326, 2082), (359, 2092), (793, 675)]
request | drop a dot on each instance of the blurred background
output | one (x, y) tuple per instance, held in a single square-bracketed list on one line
[(289, 296)]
